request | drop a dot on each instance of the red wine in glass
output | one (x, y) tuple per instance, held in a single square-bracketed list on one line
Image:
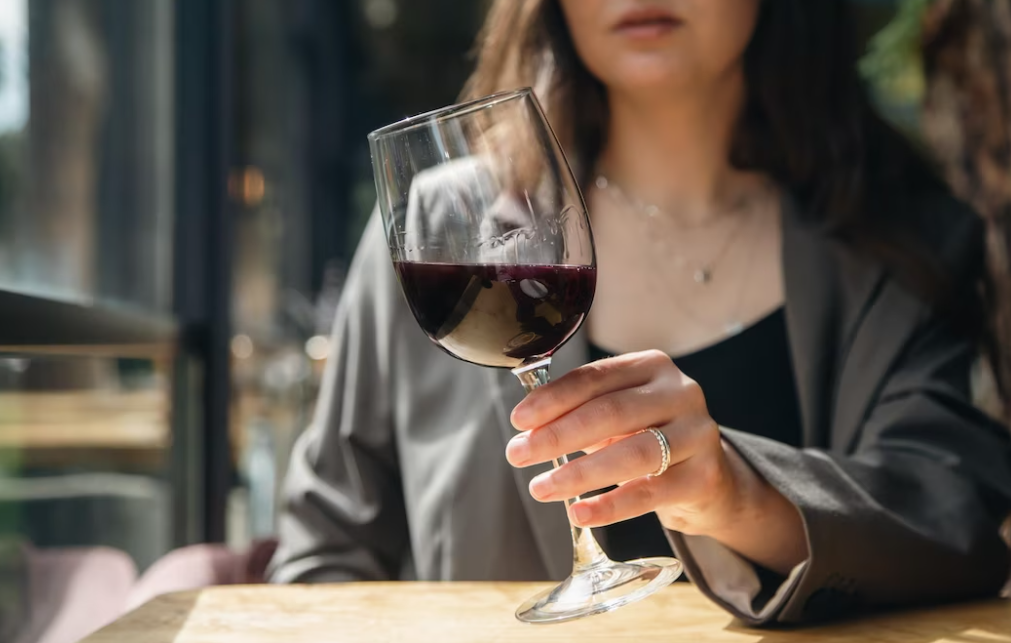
[(498, 314)]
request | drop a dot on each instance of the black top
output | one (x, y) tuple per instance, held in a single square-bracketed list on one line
[(749, 386)]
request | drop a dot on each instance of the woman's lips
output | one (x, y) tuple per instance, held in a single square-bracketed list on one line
[(647, 24)]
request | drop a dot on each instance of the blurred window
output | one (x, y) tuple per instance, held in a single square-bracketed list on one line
[(86, 140), (87, 339)]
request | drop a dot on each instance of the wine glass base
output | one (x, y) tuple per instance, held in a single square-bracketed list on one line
[(600, 590)]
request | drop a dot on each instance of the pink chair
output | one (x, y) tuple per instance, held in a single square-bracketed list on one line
[(202, 566), (73, 592)]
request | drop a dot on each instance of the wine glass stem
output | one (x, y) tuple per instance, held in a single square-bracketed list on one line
[(586, 552)]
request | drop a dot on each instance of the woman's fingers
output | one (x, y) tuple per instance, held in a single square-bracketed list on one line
[(632, 457), (616, 398), (637, 498), (627, 459), (552, 401), (613, 415), (681, 486)]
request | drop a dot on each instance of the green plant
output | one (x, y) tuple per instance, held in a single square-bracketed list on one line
[(893, 64)]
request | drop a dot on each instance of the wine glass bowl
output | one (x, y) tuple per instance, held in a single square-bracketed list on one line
[(502, 315), (491, 243), (487, 229)]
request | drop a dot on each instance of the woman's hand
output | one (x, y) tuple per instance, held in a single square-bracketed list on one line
[(603, 409)]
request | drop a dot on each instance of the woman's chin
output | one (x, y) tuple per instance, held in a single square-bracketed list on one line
[(638, 73), (656, 84)]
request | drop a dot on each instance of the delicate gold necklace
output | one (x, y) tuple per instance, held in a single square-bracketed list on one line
[(703, 272)]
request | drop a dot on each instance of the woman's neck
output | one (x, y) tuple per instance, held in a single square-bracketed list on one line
[(673, 150)]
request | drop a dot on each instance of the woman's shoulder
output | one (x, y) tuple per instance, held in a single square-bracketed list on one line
[(936, 250), (927, 242), (920, 231), (943, 220), (949, 230)]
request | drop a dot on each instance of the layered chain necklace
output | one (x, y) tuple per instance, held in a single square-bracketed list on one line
[(702, 272)]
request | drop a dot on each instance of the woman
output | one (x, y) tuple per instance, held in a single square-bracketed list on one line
[(814, 283)]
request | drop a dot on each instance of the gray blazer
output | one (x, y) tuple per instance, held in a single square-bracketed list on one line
[(902, 483)]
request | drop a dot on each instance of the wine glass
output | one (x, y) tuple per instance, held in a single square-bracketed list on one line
[(492, 245)]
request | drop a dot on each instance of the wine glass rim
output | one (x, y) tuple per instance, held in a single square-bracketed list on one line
[(450, 111)]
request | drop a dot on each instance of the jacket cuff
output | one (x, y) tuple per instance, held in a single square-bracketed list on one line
[(747, 591), (750, 593)]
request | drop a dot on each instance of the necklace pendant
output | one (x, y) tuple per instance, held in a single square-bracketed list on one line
[(703, 276)]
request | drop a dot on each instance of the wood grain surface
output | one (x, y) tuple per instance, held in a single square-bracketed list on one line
[(456, 612)]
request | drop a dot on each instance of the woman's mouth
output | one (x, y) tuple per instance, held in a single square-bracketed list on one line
[(647, 24)]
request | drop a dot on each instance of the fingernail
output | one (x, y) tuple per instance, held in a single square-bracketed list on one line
[(520, 416), (518, 450), (581, 513), (542, 486)]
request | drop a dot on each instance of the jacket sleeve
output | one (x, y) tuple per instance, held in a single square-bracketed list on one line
[(908, 514), (343, 515)]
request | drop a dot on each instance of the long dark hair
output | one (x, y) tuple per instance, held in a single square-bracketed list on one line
[(807, 123)]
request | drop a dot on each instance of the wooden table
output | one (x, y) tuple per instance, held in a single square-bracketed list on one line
[(456, 612)]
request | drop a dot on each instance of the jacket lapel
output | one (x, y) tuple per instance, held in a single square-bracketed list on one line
[(875, 343), (547, 521), (843, 345), (811, 286)]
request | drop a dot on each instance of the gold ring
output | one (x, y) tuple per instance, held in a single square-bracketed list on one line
[(664, 452)]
